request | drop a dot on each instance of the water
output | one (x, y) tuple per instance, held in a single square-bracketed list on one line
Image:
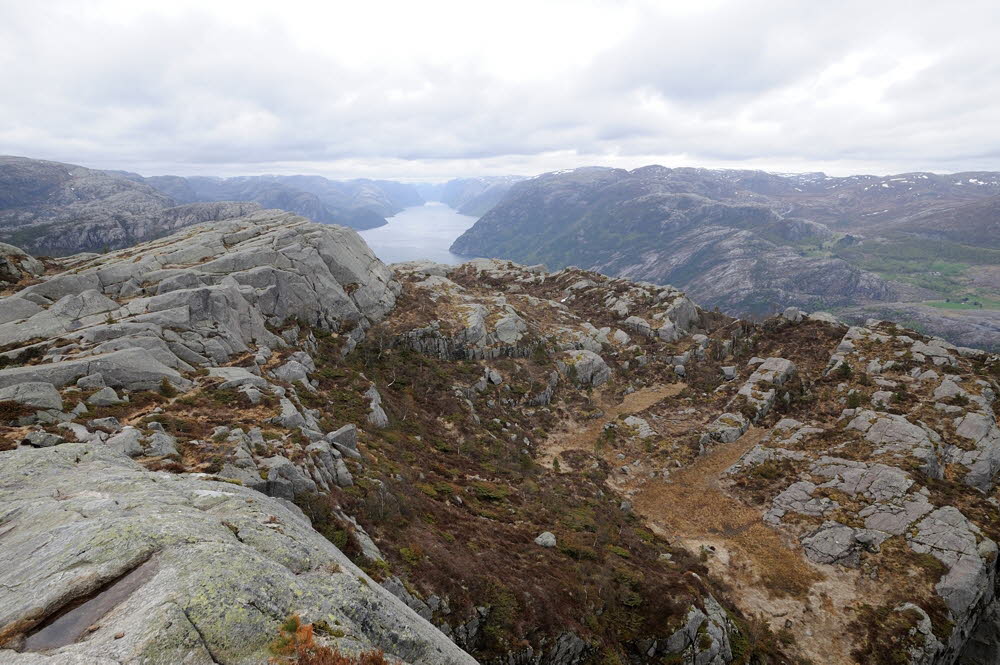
[(71, 625), (419, 232)]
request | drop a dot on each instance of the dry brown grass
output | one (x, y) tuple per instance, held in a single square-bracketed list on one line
[(692, 506), (583, 436)]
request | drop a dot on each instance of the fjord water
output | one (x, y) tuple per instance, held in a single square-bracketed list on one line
[(419, 232)]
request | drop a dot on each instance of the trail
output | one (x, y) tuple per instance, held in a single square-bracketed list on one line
[(769, 574), (584, 436)]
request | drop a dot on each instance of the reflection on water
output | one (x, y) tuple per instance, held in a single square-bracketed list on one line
[(420, 232), (72, 624)]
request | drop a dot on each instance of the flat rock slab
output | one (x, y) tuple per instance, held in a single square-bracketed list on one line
[(212, 569)]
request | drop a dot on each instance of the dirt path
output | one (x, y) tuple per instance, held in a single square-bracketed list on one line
[(584, 436), (692, 506), (770, 576)]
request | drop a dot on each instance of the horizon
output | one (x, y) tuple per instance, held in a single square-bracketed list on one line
[(411, 180)]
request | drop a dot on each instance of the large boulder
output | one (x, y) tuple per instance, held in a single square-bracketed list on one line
[(157, 568), (586, 368), (37, 394), (132, 369)]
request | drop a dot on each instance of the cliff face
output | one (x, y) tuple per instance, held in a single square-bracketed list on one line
[(255, 418), (751, 242)]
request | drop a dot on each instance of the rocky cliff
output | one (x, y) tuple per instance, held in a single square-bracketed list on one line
[(255, 419), (752, 242)]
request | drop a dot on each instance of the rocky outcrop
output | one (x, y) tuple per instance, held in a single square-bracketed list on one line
[(872, 481), (197, 299), (100, 572), (16, 264)]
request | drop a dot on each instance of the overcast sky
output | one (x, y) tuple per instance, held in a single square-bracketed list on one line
[(430, 90)]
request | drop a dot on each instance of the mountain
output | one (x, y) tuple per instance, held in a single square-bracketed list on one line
[(361, 204), (252, 442), (471, 196), (54, 208), (57, 209), (750, 242)]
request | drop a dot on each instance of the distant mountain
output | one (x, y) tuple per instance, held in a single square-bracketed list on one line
[(362, 204), (750, 241), (470, 196), (55, 209)]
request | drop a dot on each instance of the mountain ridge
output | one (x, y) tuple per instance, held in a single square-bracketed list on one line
[(752, 242)]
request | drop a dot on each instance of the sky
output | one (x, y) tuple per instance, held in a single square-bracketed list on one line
[(433, 89)]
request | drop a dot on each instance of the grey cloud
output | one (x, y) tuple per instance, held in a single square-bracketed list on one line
[(780, 82)]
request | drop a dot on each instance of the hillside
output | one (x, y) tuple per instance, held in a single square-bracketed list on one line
[(751, 242), (53, 208), (470, 196), (360, 204), (50, 208), (255, 419)]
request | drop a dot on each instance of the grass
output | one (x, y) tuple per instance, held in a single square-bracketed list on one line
[(985, 303), (938, 266)]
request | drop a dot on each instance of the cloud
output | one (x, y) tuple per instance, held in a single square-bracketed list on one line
[(437, 89)]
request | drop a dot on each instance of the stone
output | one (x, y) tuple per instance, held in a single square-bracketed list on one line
[(292, 371), (91, 381), (37, 394), (235, 377), (641, 426), (284, 479), (638, 325), (586, 368), (824, 317), (132, 369), (42, 439), (345, 440), (958, 544), (728, 427), (105, 424), (15, 308), (792, 314), (833, 543), (127, 442), (376, 414), (215, 574), (289, 416), (104, 397), (546, 539)]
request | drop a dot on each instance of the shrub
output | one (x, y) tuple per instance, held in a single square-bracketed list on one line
[(167, 389), (296, 645), (13, 411)]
